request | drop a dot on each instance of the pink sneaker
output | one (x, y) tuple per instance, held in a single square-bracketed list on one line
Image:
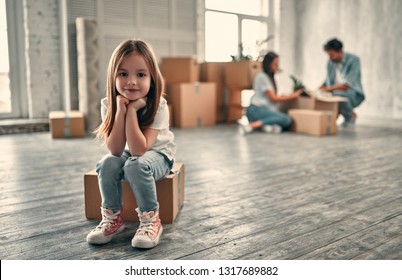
[(150, 230), (111, 224)]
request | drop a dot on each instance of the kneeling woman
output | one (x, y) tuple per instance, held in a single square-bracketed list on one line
[(263, 112)]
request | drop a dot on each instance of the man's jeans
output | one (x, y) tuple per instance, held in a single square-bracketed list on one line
[(346, 108)]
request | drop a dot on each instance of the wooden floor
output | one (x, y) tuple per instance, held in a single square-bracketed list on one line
[(260, 196)]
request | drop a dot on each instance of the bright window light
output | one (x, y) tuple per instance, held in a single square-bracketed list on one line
[(4, 66), (246, 7), (254, 32), (5, 94), (221, 36)]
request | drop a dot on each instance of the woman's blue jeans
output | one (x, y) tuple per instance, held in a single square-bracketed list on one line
[(140, 172), (268, 117)]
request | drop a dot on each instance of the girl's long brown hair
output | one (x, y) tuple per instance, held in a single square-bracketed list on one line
[(146, 115), (266, 66)]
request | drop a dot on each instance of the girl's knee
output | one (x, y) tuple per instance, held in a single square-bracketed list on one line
[(110, 163), (137, 166)]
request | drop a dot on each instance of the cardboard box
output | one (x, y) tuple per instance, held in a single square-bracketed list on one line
[(194, 104), (313, 122), (67, 125), (315, 103), (180, 70), (235, 108), (241, 73), (235, 113), (170, 193), (215, 72), (322, 103)]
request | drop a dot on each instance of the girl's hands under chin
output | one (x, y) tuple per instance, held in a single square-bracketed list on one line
[(122, 103), (138, 104)]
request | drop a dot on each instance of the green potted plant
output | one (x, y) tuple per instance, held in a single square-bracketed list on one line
[(298, 84)]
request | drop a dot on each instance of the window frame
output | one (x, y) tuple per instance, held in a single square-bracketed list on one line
[(240, 17), (16, 50)]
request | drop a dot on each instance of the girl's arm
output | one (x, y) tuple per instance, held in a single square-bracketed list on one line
[(116, 141), (275, 98), (138, 141)]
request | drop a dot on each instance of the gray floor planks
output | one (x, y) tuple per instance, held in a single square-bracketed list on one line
[(261, 196)]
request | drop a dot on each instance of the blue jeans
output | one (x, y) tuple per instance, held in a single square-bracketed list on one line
[(140, 172), (268, 117), (346, 108)]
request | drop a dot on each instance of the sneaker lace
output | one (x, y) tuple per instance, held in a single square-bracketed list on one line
[(146, 227), (107, 220)]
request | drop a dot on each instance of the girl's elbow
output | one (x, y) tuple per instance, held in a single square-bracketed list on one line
[(116, 152), (138, 151)]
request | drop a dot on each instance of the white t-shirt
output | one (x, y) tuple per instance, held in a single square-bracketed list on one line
[(339, 77), (261, 84), (165, 140)]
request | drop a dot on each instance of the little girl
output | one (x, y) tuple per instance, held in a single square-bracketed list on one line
[(135, 127)]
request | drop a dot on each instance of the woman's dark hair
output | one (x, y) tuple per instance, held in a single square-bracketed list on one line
[(334, 45), (266, 66)]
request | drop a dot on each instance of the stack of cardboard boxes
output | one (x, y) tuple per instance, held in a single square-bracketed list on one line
[(239, 75), (201, 94), (193, 102), (214, 72), (190, 86)]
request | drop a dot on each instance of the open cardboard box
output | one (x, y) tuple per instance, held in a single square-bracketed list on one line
[(314, 101), (311, 122)]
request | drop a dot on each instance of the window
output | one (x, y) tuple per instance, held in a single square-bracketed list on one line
[(12, 71), (5, 94), (249, 7), (254, 33), (235, 27), (221, 36)]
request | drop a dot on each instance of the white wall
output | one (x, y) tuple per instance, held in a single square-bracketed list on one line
[(42, 57), (369, 28), (169, 25)]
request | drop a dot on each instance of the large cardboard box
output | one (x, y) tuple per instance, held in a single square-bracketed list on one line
[(321, 103), (235, 107), (315, 103), (194, 104), (180, 70), (170, 193), (313, 122), (215, 72), (241, 73), (66, 124)]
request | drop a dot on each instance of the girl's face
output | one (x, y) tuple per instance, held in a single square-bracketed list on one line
[(133, 78), (275, 65)]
